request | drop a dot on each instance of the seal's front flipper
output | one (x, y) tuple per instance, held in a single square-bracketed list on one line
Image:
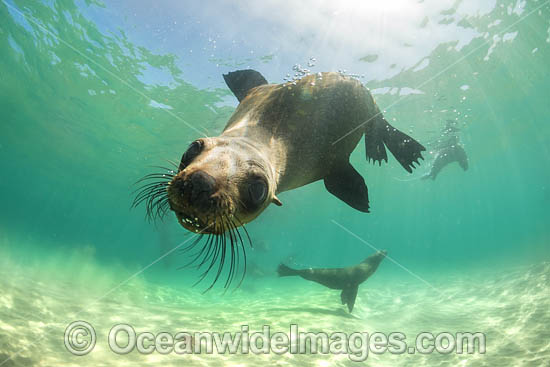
[(405, 149), (348, 296), (346, 184), (242, 81)]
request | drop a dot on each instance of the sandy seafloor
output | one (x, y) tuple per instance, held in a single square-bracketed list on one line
[(37, 302)]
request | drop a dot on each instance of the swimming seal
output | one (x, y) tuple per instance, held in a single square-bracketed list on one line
[(280, 137), (347, 279), (448, 150)]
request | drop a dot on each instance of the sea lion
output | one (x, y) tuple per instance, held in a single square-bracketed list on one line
[(449, 150), (347, 279), (280, 137)]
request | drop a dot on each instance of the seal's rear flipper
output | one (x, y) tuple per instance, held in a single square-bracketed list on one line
[(346, 184), (462, 158), (242, 81), (285, 271), (348, 296), (405, 149)]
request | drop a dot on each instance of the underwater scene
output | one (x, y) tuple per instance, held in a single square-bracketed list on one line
[(282, 183)]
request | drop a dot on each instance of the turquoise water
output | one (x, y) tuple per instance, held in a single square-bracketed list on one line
[(94, 94)]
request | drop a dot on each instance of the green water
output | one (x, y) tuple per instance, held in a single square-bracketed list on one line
[(93, 94)]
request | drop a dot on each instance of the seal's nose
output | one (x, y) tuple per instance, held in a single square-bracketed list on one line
[(202, 187)]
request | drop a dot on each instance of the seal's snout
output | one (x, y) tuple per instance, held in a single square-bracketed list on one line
[(195, 198), (195, 190), (202, 186)]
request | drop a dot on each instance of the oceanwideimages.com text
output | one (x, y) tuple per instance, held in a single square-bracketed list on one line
[(80, 339)]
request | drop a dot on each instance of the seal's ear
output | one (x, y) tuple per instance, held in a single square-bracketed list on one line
[(276, 201), (242, 81)]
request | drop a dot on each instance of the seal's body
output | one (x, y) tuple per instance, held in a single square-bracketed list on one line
[(300, 126), (283, 136), (446, 156), (448, 150), (347, 279)]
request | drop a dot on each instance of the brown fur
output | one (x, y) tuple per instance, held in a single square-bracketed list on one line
[(289, 134)]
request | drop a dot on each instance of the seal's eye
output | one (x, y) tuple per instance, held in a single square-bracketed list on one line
[(192, 152), (258, 192)]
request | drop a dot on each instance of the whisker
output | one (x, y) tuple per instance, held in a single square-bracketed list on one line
[(152, 176), (162, 208), (197, 256), (210, 252), (220, 252), (239, 234), (232, 262), (175, 164), (152, 203), (226, 243), (243, 248), (238, 247), (193, 244), (220, 266), (152, 191), (161, 177), (138, 200), (165, 168), (245, 231), (244, 252), (150, 187), (220, 242)]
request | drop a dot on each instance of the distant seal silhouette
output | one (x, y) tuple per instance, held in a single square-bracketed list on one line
[(281, 137), (347, 279), (448, 151)]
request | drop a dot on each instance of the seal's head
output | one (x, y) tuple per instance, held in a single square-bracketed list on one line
[(221, 183), (375, 259)]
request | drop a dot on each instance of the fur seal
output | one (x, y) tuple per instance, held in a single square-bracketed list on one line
[(280, 137), (448, 151), (347, 279)]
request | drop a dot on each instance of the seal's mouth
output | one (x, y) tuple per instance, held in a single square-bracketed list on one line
[(199, 224), (193, 224), (199, 210)]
